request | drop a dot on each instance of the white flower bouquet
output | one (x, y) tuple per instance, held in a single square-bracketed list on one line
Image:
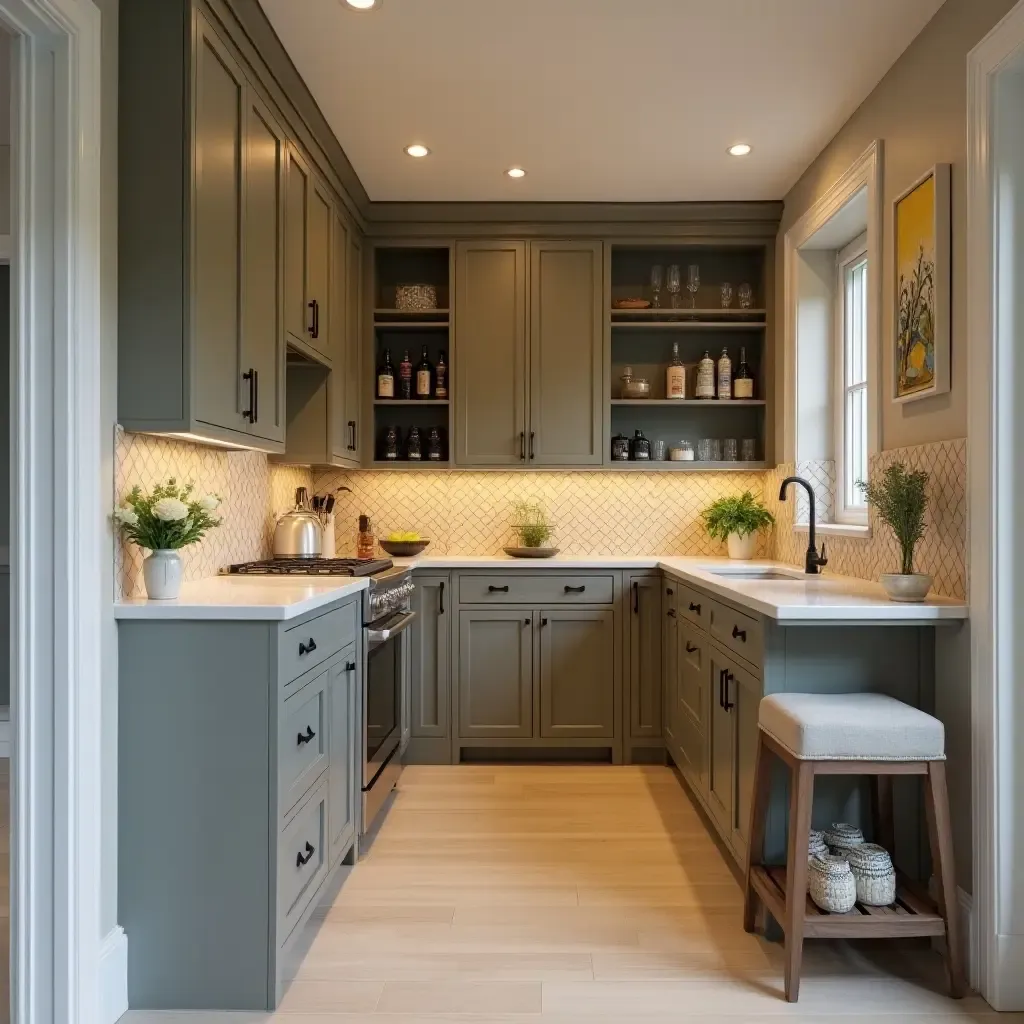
[(168, 518)]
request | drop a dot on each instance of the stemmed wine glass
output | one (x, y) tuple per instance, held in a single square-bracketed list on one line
[(693, 283), (674, 284), (657, 276)]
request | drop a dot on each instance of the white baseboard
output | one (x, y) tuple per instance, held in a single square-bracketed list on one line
[(5, 732), (1009, 978), (113, 976)]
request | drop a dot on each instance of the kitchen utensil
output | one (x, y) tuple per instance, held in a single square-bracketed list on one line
[(329, 507), (299, 534), (746, 294), (411, 297), (403, 548), (693, 283), (522, 552), (657, 277), (726, 290)]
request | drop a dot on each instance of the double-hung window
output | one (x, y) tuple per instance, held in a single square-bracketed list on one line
[(851, 382)]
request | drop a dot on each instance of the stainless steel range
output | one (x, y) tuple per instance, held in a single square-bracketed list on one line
[(387, 615)]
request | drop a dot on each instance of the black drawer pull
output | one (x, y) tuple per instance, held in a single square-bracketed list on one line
[(305, 737), (311, 329), (350, 666), (695, 608), (739, 634), (671, 613), (577, 590), (440, 598), (669, 591), (690, 648), (527, 622), (307, 648), (301, 861), (497, 590)]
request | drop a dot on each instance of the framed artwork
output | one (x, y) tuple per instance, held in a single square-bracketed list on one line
[(921, 240)]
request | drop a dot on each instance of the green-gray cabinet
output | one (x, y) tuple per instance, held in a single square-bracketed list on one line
[(644, 646), (430, 668), (669, 665), (200, 191), (344, 779)]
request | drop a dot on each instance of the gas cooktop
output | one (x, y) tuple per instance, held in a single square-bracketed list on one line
[(311, 567)]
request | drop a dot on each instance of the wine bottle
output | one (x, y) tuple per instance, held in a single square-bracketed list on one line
[(706, 376), (424, 376), (386, 377), (743, 384), (405, 377), (675, 375), (441, 377), (724, 376)]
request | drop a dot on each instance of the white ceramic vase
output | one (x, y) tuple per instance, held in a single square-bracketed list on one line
[(908, 587), (743, 547), (162, 572)]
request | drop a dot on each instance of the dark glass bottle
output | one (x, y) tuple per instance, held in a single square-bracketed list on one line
[(435, 447), (386, 377), (389, 452), (425, 376), (620, 448), (414, 445), (639, 447), (405, 377), (441, 377)]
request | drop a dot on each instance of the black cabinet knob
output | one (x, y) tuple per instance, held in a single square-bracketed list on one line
[(305, 737), (497, 590), (350, 666), (671, 613), (526, 622), (543, 622), (695, 608), (300, 860), (739, 634), (669, 591), (307, 648), (690, 647)]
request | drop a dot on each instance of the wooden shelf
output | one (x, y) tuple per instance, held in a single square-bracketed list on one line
[(410, 313), (684, 467), (705, 313), (410, 325), (690, 325), (708, 403), (410, 401)]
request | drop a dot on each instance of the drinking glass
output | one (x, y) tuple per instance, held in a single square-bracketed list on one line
[(657, 451), (704, 450), (657, 277), (674, 283), (730, 449), (748, 449), (693, 283), (746, 296), (726, 295)]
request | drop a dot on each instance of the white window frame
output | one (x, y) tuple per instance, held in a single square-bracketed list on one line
[(847, 258)]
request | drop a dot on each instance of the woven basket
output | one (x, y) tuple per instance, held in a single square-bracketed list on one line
[(831, 884), (816, 845), (873, 874), (841, 837)]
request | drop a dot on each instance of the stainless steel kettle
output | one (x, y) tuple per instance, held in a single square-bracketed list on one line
[(299, 533)]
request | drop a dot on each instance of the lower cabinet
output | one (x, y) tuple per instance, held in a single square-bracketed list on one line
[(691, 704), (721, 744), (669, 667), (430, 707), (643, 592), (342, 775)]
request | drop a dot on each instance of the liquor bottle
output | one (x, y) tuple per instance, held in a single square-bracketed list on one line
[(434, 445), (389, 450), (724, 376), (640, 447), (441, 377), (414, 445), (405, 377), (365, 539), (424, 376), (705, 377), (386, 377), (675, 375), (743, 384)]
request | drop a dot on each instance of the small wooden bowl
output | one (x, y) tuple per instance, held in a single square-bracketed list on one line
[(403, 548), (631, 304)]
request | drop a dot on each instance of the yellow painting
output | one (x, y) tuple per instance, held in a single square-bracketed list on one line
[(915, 284)]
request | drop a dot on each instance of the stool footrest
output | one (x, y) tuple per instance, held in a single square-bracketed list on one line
[(913, 914)]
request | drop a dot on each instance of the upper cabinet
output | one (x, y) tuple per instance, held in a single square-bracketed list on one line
[(201, 208)]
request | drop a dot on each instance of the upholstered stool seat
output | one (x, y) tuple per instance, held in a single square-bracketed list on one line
[(851, 727)]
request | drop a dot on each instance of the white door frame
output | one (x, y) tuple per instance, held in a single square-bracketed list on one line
[(994, 457), (57, 511)]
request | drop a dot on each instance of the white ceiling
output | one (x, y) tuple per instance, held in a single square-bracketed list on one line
[(612, 100)]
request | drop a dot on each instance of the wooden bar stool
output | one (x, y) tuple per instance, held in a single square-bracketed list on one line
[(850, 734)]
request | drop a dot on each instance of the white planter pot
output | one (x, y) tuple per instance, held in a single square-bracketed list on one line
[(906, 587), (162, 573), (742, 547)]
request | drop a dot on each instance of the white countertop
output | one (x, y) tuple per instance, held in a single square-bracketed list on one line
[(245, 597)]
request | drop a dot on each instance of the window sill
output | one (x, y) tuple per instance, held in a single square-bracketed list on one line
[(836, 530)]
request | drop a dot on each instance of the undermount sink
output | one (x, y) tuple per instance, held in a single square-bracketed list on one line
[(756, 574)]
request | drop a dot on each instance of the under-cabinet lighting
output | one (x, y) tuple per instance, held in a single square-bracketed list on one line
[(516, 172), (363, 5), (740, 149), (417, 150)]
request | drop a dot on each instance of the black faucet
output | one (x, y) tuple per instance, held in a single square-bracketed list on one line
[(813, 561)]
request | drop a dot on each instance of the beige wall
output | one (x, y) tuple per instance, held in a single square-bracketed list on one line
[(918, 110)]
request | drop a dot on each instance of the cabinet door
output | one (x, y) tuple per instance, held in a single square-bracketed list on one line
[(263, 271), (429, 657), (217, 233), (339, 342), (495, 673), (353, 368), (298, 190), (343, 771), (744, 692), (318, 266), (577, 673), (669, 666), (490, 367), (690, 709), (644, 594), (566, 354), (721, 748)]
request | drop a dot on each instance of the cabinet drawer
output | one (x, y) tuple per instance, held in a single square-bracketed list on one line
[(302, 740), (736, 631), (693, 605), (517, 588), (305, 646), (301, 861)]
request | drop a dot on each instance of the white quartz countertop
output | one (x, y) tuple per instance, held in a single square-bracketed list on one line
[(245, 597), (807, 599)]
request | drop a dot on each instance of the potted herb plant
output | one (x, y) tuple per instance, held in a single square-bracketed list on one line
[(533, 531), (900, 500), (737, 521), (166, 519)]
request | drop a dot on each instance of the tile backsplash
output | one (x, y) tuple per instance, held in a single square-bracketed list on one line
[(255, 493)]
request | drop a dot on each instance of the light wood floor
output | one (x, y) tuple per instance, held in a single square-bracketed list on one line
[(567, 894)]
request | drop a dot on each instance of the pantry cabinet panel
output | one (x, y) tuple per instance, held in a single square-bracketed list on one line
[(490, 371), (645, 651), (318, 268), (566, 353), (429, 657), (744, 691), (669, 666), (298, 317), (344, 761), (352, 423), (721, 748)]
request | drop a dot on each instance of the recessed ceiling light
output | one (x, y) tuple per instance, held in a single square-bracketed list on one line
[(740, 149), (417, 150), (516, 172), (363, 5)]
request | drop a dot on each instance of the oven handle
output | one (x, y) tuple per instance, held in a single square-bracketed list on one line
[(391, 629)]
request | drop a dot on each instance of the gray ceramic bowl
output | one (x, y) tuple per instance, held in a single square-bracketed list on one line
[(908, 588), (403, 548)]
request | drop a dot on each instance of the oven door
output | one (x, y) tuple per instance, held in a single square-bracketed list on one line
[(382, 707)]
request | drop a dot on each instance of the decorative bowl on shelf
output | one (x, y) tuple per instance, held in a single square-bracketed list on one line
[(404, 548), (631, 304), (526, 552), (415, 297), (634, 387)]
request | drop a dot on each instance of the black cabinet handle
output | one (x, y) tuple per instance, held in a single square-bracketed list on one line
[(727, 679), (305, 737), (497, 590), (256, 396), (739, 634), (350, 666), (300, 860), (636, 597), (669, 591), (671, 613), (522, 445), (307, 648), (690, 647), (440, 598), (577, 590), (526, 622), (543, 622), (351, 435), (721, 688), (532, 436), (250, 413), (695, 608), (311, 330)]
